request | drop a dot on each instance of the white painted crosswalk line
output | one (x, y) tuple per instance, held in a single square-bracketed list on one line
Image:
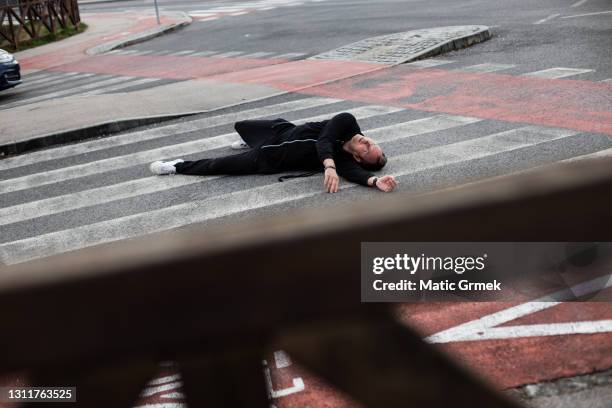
[(257, 55), (609, 80), (38, 76), (56, 78), (68, 81), (267, 195), (106, 80), (167, 130), (556, 73), (148, 185), (124, 85), (179, 53), (143, 157), (290, 55), (428, 63), (487, 67), (203, 53), (229, 54)]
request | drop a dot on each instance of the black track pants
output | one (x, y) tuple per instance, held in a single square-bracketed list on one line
[(254, 133), (242, 163)]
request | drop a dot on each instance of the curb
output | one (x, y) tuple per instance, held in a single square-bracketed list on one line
[(90, 132), (140, 37), (106, 128)]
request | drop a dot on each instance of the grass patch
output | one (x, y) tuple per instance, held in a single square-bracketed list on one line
[(45, 37)]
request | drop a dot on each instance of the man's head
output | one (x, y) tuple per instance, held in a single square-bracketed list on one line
[(367, 153)]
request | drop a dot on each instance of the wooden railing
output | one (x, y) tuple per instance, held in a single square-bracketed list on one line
[(227, 295), (34, 18)]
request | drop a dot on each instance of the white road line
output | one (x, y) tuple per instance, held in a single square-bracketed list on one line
[(165, 379), (164, 52), (201, 13), (207, 18), (128, 52), (555, 73), (544, 20), (579, 3), (487, 67), (179, 53), (609, 80), (281, 359), (589, 14), (73, 91), (481, 325), (427, 63), (536, 330), (289, 55), (124, 85), (106, 194), (133, 159), (143, 52), (38, 76), (257, 55), (204, 53), (51, 84), (74, 76), (278, 193), (228, 54), (596, 155), (167, 130), (239, 13)]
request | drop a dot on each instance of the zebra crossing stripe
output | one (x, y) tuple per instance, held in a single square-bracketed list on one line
[(428, 63), (167, 130), (52, 82), (487, 67), (166, 152), (124, 85), (37, 75), (203, 53), (73, 91), (56, 77), (290, 55), (609, 80), (556, 73), (257, 55), (100, 195), (267, 195), (229, 54), (179, 53)]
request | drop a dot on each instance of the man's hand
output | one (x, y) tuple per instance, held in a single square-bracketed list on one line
[(386, 183), (332, 181)]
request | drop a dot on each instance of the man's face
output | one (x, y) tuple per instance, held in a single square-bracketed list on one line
[(365, 149)]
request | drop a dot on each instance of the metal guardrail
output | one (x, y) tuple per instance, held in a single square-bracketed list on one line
[(227, 295), (31, 16)]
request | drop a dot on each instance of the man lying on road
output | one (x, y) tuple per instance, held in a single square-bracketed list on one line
[(335, 146)]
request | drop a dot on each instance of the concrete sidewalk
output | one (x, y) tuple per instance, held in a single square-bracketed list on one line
[(73, 118)]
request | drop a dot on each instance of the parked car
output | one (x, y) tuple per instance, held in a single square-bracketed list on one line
[(9, 70)]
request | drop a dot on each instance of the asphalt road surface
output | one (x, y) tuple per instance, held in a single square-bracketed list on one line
[(537, 93)]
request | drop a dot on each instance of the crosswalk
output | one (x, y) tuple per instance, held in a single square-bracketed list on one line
[(100, 191), (213, 54), (512, 69), (242, 8), (46, 85)]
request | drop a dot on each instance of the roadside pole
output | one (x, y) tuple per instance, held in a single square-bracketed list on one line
[(157, 12)]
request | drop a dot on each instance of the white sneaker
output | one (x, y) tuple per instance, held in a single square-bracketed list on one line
[(162, 168), (240, 145)]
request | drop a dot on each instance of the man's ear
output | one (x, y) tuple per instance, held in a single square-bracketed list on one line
[(357, 158)]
